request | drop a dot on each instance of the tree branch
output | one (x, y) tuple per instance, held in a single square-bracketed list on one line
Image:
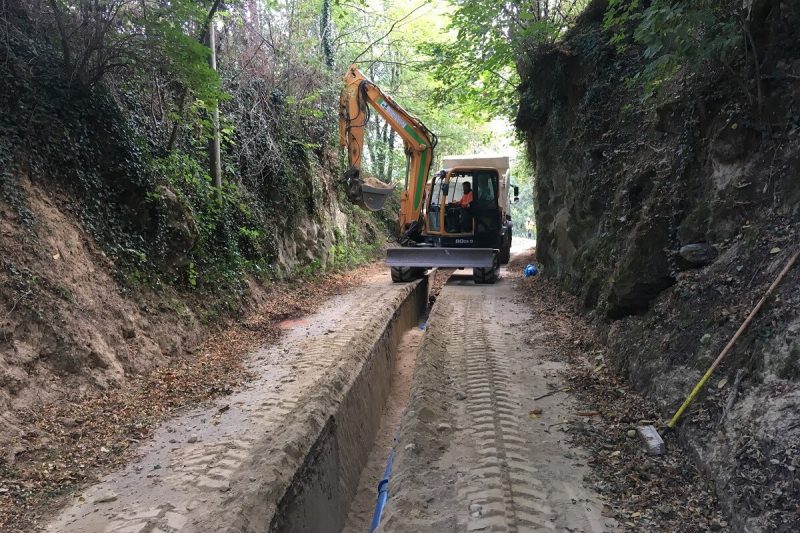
[(390, 30)]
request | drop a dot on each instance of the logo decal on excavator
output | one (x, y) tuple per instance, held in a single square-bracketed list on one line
[(392, 113)]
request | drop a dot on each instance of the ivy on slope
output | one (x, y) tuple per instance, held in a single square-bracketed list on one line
[(154, 212)]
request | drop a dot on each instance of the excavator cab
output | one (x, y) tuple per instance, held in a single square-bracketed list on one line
[(475, 225)]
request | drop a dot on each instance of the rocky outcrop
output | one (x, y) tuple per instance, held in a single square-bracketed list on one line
[(669, 216)]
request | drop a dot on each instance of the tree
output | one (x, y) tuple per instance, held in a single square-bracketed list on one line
[(477, 68)]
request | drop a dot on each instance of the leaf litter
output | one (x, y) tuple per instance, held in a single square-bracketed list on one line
[(641, 492), (68, 444)]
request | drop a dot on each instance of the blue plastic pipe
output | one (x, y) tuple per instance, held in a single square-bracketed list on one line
[(383, 492)]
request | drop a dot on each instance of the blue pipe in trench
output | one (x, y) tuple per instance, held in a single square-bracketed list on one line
[(383, 490)]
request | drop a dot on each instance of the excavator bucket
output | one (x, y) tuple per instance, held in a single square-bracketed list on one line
[(373, 198), (368, 193), (431, 257)]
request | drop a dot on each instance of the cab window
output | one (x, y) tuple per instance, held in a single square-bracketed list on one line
[(485, 189)]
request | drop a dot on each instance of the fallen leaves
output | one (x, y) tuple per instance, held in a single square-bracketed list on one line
[(643, 493), (66, 445)]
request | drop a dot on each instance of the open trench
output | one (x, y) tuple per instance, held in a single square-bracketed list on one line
[(336, 487), (287, 451), (455, 402), (466, 403), (312, 502)]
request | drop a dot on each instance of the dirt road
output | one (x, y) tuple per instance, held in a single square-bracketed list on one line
[(476, 452), (303, 446)]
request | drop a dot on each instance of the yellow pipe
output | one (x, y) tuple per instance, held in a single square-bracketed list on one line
[(700, 384), (689, 399)]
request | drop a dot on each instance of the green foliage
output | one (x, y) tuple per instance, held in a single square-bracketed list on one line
[(675, 34), (230, 239), (182, 53), (354, 247), (97, 39), (477, 69), (522, 176)]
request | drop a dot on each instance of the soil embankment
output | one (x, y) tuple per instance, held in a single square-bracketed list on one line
[(668, 217), (118, 252)]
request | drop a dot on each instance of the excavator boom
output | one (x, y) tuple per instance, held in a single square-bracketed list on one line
[(358, 95)]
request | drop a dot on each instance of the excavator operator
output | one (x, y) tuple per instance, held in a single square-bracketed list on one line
[(466, 197), (464, 220)]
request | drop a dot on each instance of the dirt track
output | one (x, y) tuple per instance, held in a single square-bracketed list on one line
[(474, 455), (303, 446), (242, 463)]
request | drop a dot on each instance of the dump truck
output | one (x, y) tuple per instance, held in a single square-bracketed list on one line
[(444, 223)]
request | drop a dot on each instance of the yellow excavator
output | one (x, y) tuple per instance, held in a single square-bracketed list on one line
[(458, 219)]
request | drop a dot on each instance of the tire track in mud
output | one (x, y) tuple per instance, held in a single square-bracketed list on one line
[(503, 493), (469, 457)]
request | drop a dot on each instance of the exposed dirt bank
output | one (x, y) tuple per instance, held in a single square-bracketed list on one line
[(668, 217), (60, 446)]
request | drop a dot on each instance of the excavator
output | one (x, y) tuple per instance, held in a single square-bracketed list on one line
[(438, 229)]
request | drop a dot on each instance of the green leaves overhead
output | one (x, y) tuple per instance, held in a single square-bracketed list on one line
[(477, 68), (676, 34), (175, 37)]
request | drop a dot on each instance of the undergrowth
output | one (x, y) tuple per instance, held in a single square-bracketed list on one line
[(151, 205)]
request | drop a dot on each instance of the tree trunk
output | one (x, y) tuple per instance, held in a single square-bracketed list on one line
[(325, 33), (390, 158), (173, 136), (215, 158)]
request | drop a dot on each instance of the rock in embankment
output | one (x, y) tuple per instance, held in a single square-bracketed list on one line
[(670, 216), (698, 254)]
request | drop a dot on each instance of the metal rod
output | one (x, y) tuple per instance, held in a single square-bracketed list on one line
[(214, 152)]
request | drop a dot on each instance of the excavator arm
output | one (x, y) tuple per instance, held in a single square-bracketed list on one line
[(358, 95)]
